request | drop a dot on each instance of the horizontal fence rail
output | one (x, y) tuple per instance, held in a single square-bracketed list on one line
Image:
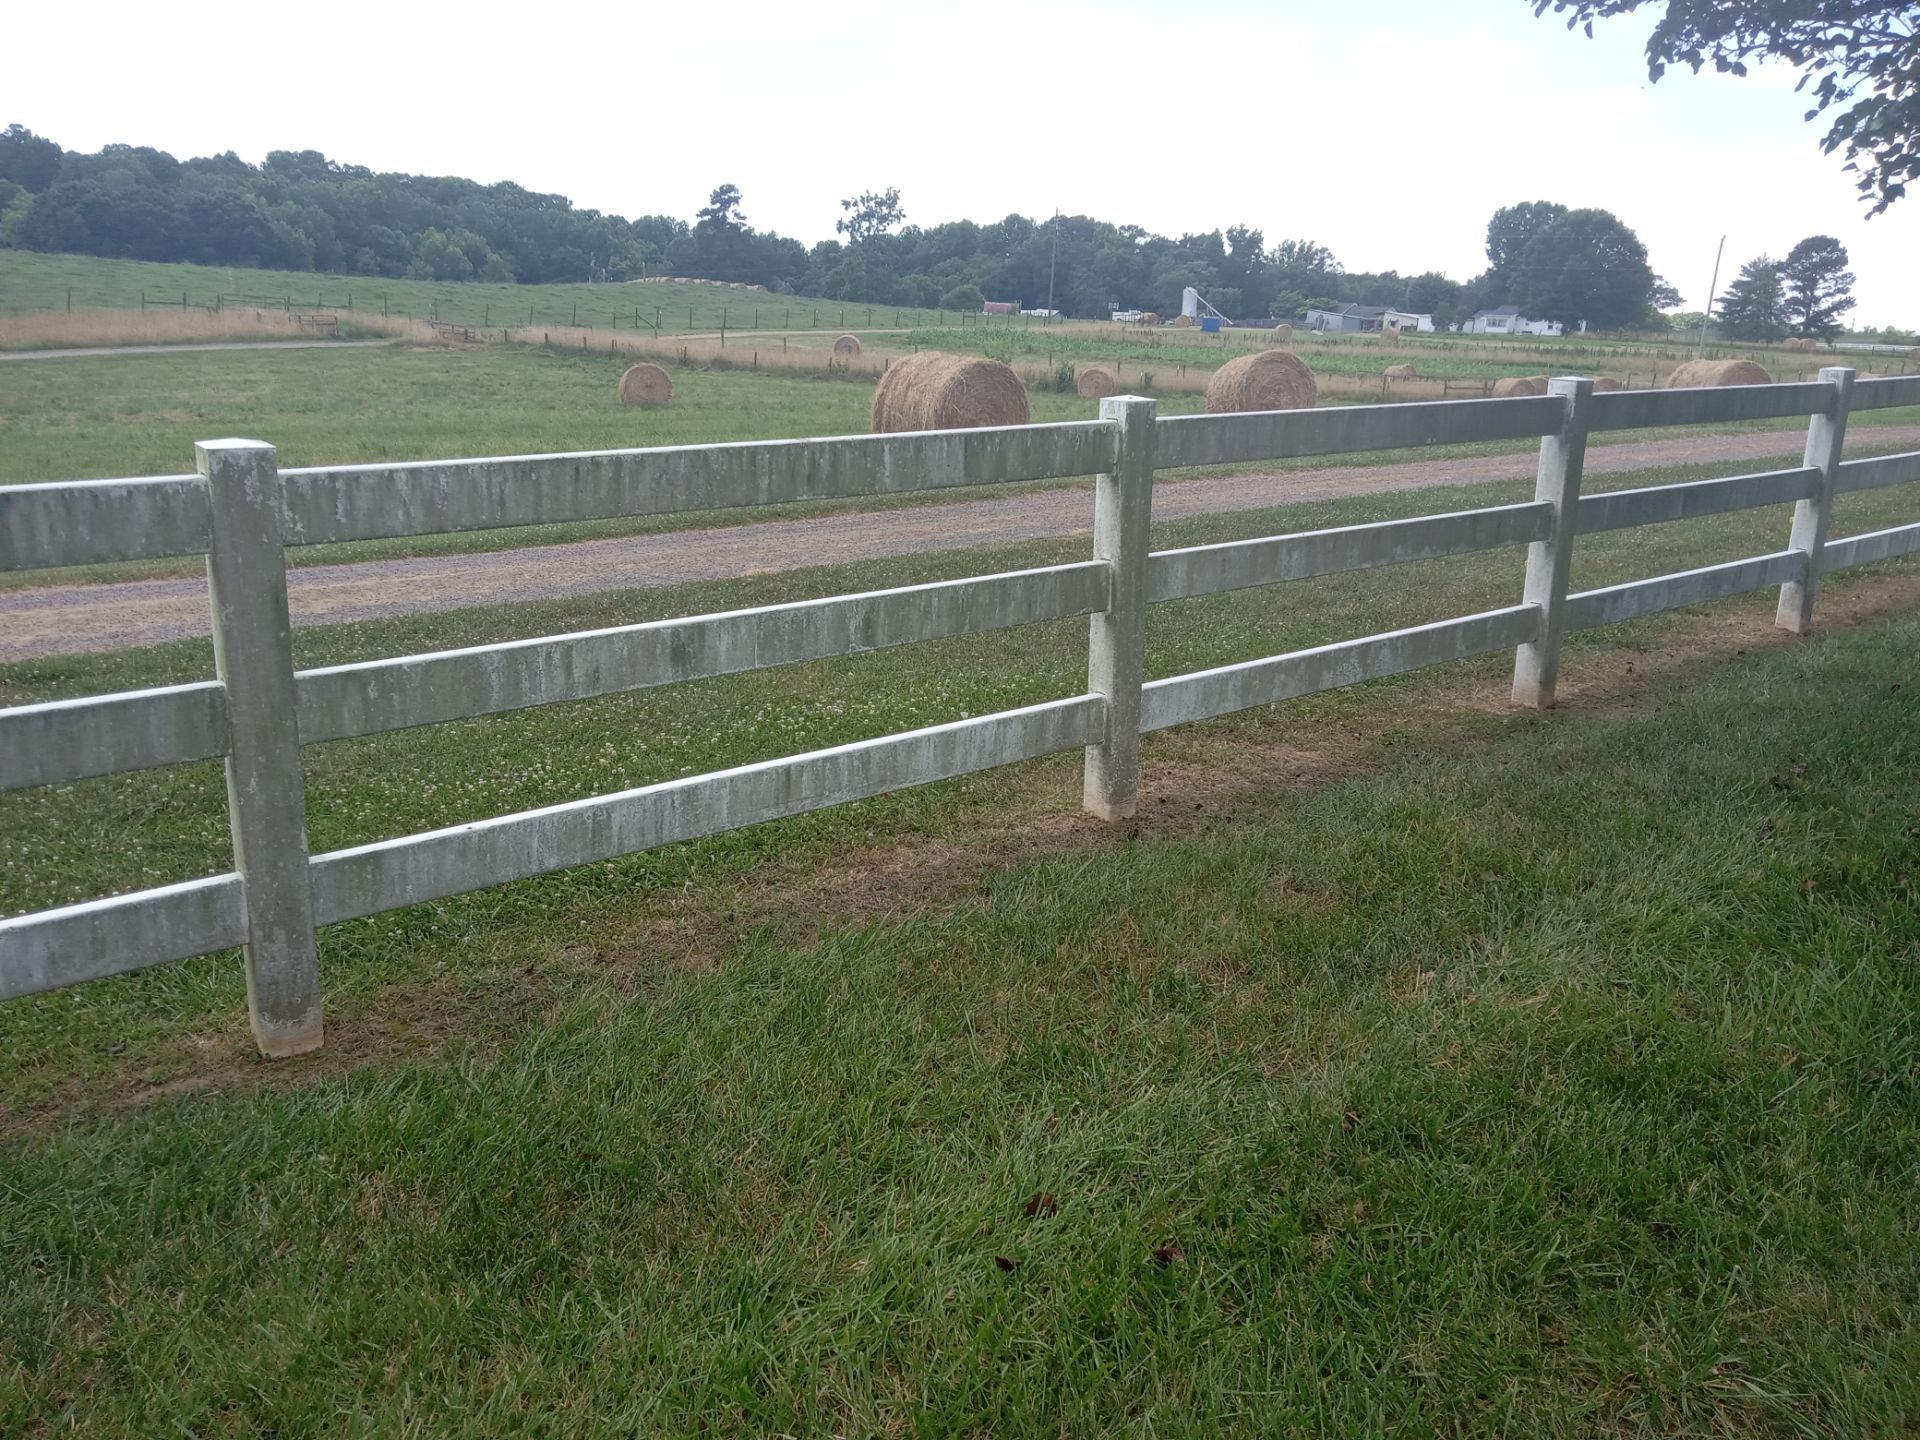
[(1237, 564), (369, 502), (1616, 604), (375, 695), (261, 710), (1621, 509)]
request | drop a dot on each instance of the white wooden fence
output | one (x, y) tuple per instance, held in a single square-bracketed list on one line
[(241, 511)]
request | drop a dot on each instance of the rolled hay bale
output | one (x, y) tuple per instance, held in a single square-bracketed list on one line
[(1511, 385), (645, 384), (1094, 383), (1183, 320), (1150, 318), (1697, 373), (1603, 384), (1803, 343), (1266, 380), (847, 345), (1389, 332), (935, 391), (1282, 332), (1401, 372)]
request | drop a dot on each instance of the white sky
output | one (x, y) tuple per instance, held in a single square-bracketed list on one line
[(1387, 129)]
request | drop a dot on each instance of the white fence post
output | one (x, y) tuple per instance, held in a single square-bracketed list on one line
[(1563, 457), (1826, 434), (266, 801), (1116, 652)]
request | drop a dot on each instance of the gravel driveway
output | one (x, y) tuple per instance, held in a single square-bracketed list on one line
[(64, 619)]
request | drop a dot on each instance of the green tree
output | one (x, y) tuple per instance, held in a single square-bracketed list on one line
[(30, 161), (965, 298), (1862, 55), (872, 213), (1755, 305), (722, 210), (1584, 267), (1819, 286), (1512, 229)]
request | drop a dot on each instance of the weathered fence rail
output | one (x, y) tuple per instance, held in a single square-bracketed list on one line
[(241, 511)]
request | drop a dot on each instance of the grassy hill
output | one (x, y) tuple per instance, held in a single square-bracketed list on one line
[(31, 281)]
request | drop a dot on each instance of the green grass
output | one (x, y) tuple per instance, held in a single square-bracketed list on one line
[(1526, 1076), (30, 281)]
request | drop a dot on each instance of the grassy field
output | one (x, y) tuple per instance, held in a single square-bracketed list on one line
[(1411, 1068), (30, 281)]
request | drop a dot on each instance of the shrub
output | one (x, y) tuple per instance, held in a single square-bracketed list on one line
[(965, 298)]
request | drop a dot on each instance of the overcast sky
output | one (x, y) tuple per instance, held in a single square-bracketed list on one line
[(1386, 129)]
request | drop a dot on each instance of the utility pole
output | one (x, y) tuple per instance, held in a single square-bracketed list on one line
[(1713, 289), (1051, 264)]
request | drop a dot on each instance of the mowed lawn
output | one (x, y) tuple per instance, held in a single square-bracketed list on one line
[(1518, 1075)]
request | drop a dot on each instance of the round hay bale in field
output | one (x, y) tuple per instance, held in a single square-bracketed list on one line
[(1282, 332), (1152, 317), (1511, 385), (1183, 320), (1603, 384), (1803, 343), (1389, 332), (934, 391), (1094, 383), (1696, 373), (1266, 380), (1401, 372), (645, 384), (847, 345)]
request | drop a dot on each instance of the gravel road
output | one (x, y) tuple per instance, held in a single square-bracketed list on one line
[(64, 619)]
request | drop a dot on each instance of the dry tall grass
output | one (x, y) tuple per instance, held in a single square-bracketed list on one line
[(66, 330)]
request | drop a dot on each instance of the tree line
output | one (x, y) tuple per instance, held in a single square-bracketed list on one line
[(299, 210)]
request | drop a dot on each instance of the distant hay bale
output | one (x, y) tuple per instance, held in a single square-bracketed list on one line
[(847, 345), (1095, 383), (1603, 384), (1389, 332), (1697, 373), (1803, 343), (1183, 320), (934, 391), (645, 384), (1266, 380), (1512, 385), (1150, 318), (1401, 372), (1282, 332)]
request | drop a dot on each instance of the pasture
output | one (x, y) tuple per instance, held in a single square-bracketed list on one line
[(36, 282), (1409, 1065)]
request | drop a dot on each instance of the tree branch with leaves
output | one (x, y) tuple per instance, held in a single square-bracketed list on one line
[(1861, 57)]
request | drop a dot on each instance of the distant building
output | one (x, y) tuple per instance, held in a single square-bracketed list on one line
[(1347, 317), (1367, 317), (1507, 320)]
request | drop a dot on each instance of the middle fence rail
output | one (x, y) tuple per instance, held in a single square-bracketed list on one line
[(242, 512)]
